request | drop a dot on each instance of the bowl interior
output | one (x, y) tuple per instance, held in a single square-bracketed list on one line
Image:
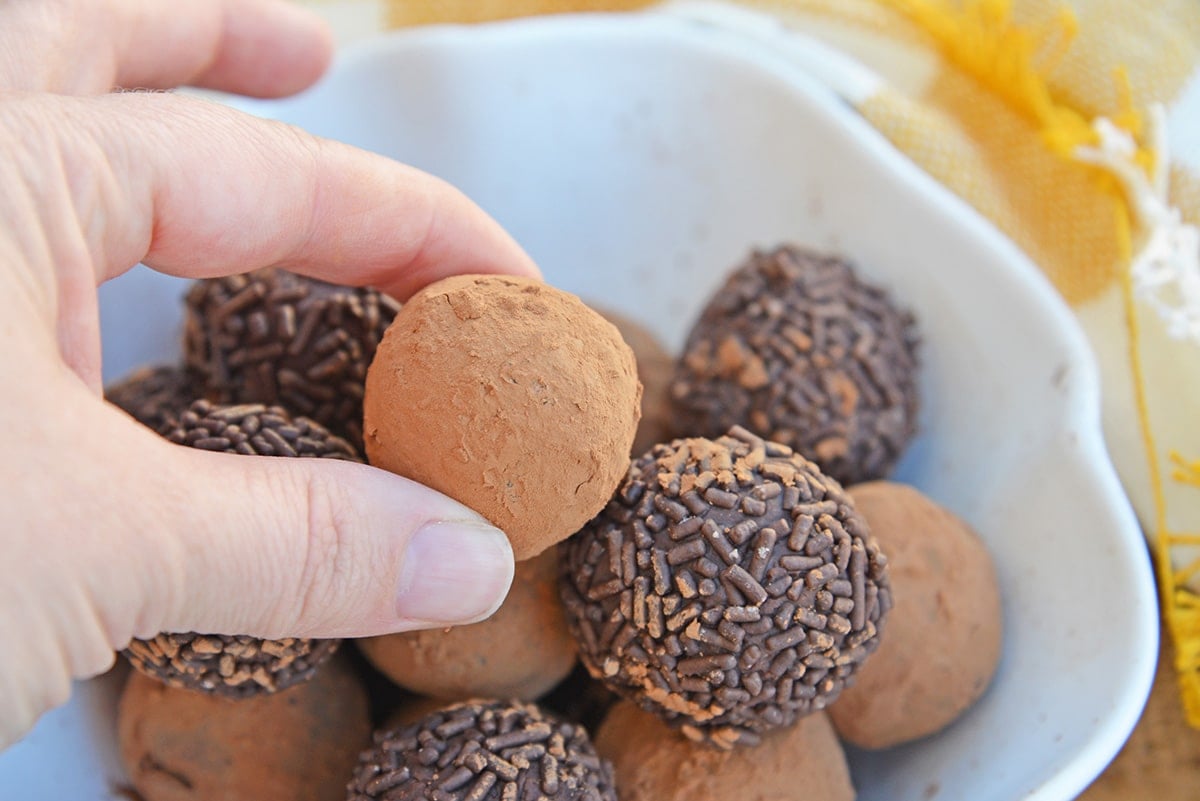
[(638, 158)]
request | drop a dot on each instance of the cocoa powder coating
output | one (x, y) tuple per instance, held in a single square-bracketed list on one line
[(509, 396), (655, 367), (521, 651), (803, 762), (297, 745), (945, 633)]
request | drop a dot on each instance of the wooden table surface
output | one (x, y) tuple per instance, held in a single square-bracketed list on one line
[(1161, 761)]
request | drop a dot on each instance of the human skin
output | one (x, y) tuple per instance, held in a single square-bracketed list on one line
[(109, 532)]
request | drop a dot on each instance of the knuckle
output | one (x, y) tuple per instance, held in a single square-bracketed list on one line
[(327, 567)]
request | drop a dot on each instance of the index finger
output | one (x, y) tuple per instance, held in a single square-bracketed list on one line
[(196, 189), (256, 47)]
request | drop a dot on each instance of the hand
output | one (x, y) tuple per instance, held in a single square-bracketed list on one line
[(108, 531)]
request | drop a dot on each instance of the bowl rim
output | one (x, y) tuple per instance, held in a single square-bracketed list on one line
[(763, 41)]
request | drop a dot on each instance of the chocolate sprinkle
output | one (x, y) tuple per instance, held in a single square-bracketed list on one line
[(756, 643), (483, 751), (254, 429), (796, 347), (155, 396), (275, 337), (240, 666), (229, 666)]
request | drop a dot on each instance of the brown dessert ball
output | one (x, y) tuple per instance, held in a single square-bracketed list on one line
[(271, 336), (483, 751), (803, 762), (729, 587), (944, 633), (240, 666), (654, 366), (156, 396), (298, 745), (521, 651), (509, 396), (797, 348)]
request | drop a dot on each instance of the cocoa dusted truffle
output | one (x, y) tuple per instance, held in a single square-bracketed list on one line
[(804, 762), (797, 348), (945, 634), (728, 587), (483, 751), (510, 396), (240, 666), (297, 745), (275, 337), (155, 396), (521, 651), (654, 366)]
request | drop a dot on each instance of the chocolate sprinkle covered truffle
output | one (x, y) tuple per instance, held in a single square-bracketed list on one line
[(254, 429), (229, 666), (728, 587), (155, 396), (240, 666), (275, 337), (797, 348), (483, 751)]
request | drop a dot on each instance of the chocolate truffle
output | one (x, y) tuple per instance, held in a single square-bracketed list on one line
[(155, 396), (797, 348), (521, 651), (729, 587), (483, 751), (944, 634), (654, 366), (240, 666), (297, 745), (509, 396), (803, 762), (275, 337)]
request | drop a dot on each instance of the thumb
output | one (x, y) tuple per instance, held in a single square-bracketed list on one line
[(276, 546)]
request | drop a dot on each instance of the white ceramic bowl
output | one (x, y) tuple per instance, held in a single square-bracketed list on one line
[(638, 158)]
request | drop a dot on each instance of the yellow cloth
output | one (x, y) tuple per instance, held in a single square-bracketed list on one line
[(999, 99)]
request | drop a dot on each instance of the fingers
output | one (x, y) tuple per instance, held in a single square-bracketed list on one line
[(313, 547), (277, 546), (196, 189), (264, 48)]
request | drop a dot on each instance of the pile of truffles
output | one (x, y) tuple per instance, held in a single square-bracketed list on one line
[(715, 576)]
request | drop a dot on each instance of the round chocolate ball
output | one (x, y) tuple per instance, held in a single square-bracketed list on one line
[(729, 587), (240, 666), (799, 349), (509, 396), (654, 367), (272, 336), (483, 751), (298, 745), (945, 633), (652, 763), (521, 651), (156, 396)]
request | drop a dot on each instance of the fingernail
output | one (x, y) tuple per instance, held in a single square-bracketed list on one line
[(454, 573)]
